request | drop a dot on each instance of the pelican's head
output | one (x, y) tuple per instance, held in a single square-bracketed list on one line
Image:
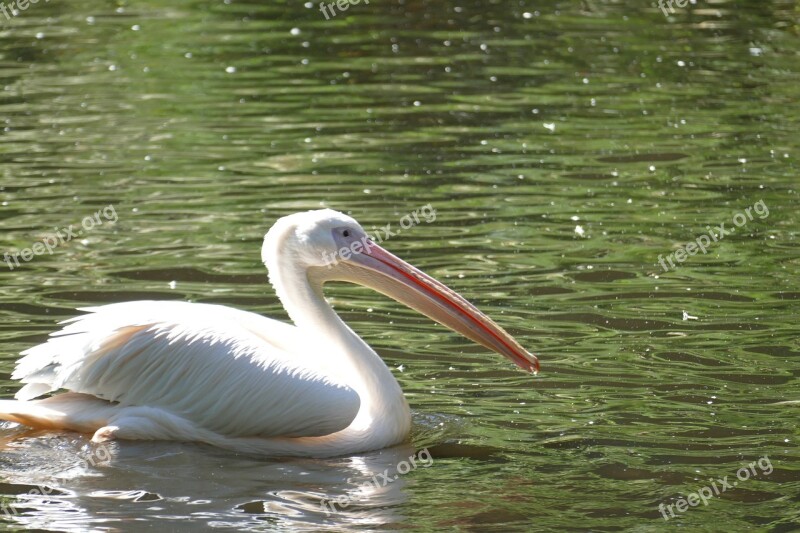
[(332, 246)]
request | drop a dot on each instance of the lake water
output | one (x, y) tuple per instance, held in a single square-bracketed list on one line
[(569, 150)]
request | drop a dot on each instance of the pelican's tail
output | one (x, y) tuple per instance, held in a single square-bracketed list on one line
[(72, 411)]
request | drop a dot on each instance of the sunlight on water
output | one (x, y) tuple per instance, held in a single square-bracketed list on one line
[(577, 156)]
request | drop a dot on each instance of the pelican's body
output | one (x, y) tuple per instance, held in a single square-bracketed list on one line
[(151, 370)]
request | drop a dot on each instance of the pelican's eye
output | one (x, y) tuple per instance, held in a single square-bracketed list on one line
[(346, 233)]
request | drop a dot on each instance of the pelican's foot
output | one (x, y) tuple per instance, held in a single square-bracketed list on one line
[(105, 434)]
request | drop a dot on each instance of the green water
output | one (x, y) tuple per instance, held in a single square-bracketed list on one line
[(564, 145)]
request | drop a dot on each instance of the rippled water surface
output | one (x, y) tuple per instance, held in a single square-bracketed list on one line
[(565, 146)]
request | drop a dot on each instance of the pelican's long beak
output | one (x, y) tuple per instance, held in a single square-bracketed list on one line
[(378, 269)]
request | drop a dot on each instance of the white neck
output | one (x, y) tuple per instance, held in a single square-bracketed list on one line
[(384, 412)]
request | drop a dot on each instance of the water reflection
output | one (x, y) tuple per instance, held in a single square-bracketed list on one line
[(176, 482), (517, 122)]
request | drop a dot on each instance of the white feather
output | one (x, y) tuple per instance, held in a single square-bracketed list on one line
[(177, 356), (208, 373)]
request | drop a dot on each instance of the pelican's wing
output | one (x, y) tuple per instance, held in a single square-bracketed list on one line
[(236, 373)]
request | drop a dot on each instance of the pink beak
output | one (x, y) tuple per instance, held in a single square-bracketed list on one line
[(386, 273)]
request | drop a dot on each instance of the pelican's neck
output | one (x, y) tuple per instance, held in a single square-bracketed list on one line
[(347, 355)]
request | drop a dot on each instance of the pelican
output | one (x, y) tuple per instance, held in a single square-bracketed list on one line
[(179, 371)]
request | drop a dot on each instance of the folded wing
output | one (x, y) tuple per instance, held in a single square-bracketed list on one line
[(232, 372)]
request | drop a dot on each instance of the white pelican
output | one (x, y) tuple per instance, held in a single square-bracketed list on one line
[(151, 370)]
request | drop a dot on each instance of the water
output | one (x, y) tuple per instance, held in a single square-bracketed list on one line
[(564, 145)]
